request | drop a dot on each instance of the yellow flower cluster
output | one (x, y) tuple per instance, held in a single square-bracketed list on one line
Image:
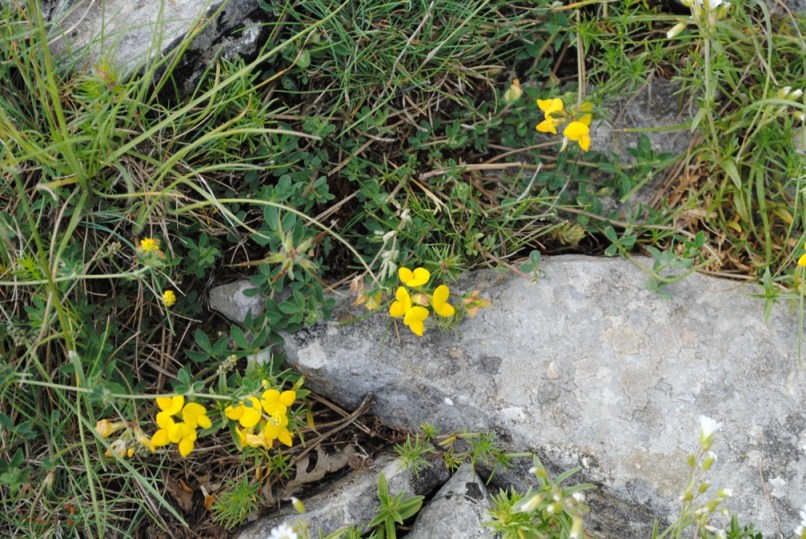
[(263, 420), (149, 245), (182, 433), (577, 128), (412, 307)]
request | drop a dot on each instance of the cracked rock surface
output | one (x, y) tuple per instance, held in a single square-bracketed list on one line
[(586, 367), (353, 499), (458, 511), (130, 32)]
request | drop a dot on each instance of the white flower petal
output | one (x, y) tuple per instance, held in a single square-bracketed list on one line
[(708, 426)]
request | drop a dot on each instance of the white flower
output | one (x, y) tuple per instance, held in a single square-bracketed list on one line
[(283, 531), (712, 4), (578, 496), (708, 427), (725, 493)]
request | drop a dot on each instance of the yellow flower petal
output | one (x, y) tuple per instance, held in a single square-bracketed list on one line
[(186, 446), (160, 438), (286, 437), (584, 142), (549, 125), (398, 308), (417, 327), (550, 106), (288, 397), (241, 440), (251, 414), (405, 274), (440, 302), (234, 412), (415, 314), (192, 412), (575, 130), (172, 405), (204, 421), (164, 420), (802, 260), (272, 404), (175, 433), (414, 319), (579, 132), (415, 278)]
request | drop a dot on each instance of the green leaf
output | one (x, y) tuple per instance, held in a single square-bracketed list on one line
[(238, 337), (203, 341)]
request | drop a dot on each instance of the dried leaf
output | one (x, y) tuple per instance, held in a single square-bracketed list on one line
[(324, 464), (181, 493)]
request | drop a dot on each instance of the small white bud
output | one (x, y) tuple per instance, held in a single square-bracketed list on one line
[(675, 30)]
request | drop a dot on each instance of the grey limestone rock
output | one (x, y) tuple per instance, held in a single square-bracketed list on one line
[(457, 511), (230, 300), (129, 33), (352, 500), (586, 367)]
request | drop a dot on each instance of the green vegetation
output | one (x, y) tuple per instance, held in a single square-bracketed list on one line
[(364, 137)]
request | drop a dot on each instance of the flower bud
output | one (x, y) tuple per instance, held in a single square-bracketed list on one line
[(514, 92), (675, 30), (710, 459), (527, 505), (299, 507)]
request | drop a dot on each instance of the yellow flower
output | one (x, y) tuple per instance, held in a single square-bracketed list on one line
[(413, 279), (579, 133), (440, 302), (277, 429), (185, 436), (276, 403), (148, 245), (248, 413), (413, 316), (398, 308), (414, 320), (183, 432), (802, 260), (195, 415), (550, 106), (168, 298), (242, 441), (549, 125), (170, 405)]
